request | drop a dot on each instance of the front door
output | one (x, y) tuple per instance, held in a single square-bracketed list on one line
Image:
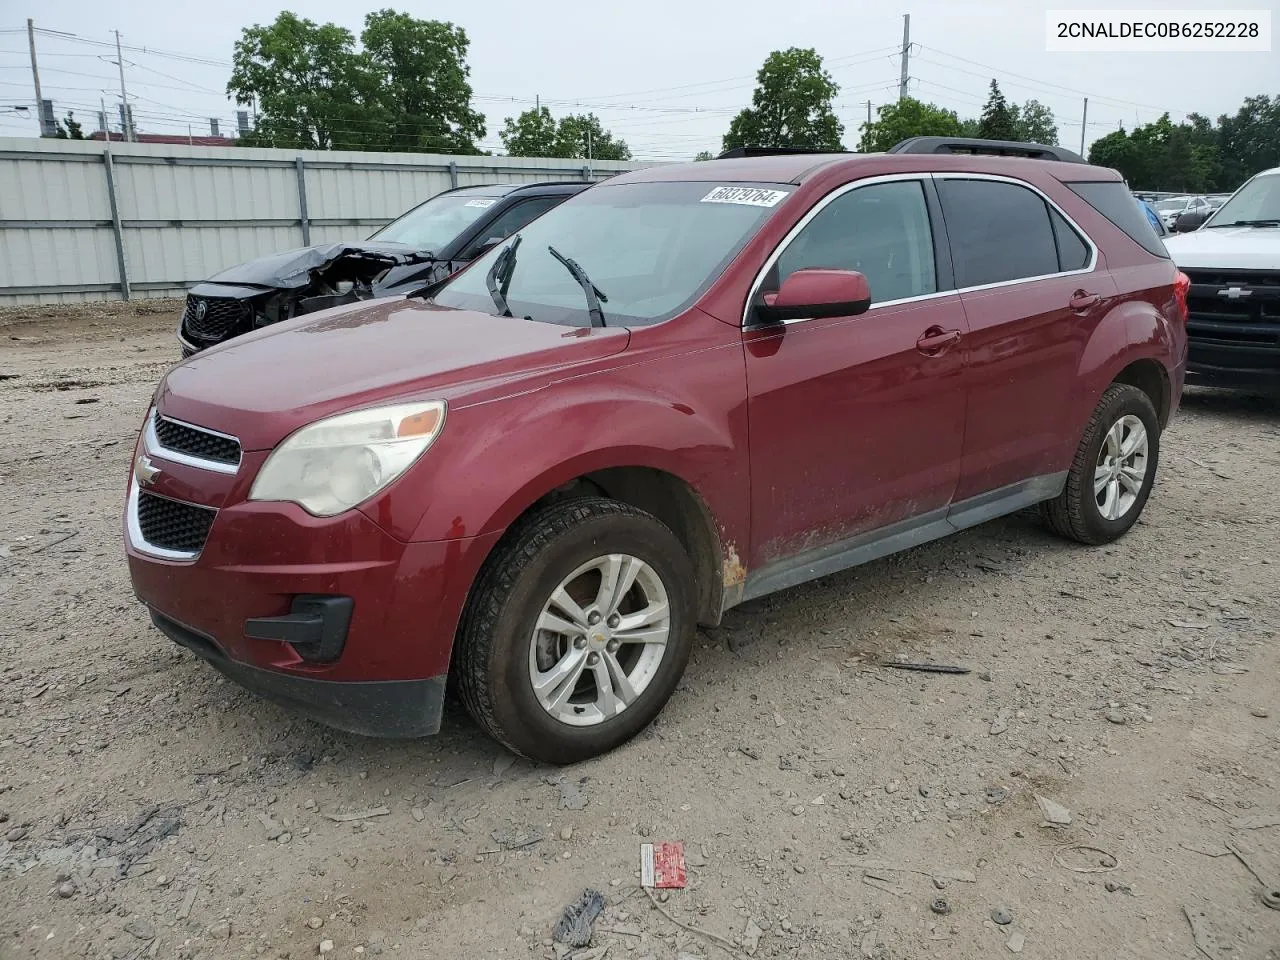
[(857, 423)]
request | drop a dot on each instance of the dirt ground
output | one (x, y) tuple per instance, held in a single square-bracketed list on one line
[(826, 804)]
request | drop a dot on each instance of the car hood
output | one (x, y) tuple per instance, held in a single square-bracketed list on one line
[(1242, 248), (292, 269), (264, 385)]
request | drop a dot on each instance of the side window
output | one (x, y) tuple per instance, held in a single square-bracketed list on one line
[(998, 231), (881, 230), (511, 220), (1073, 254)]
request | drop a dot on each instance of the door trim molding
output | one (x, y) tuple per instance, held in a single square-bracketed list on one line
[(874, 544)]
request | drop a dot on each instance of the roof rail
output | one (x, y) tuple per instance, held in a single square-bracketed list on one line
[(999, 148), (738, 152)]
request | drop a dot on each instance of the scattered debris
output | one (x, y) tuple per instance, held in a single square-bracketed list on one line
[(517, 838), (1205, 939), (502, 764), (1112, 886), (1260, 713), (571, 794), (120, 833), (751, 752), (326, 946), (66, 889), (1116, 716), (662, 866), (1055, 814), (1205, 849), (418, 814), (15, 834), (140, 928), (940, 906), (750, 938), (1017, 940), (574, 926), (1107, 863), (274, 830), (315, 923), (923, 667), (1001, 723), (718, 940), (1002, 915), (566, 834), (996, 795), (188, 901), (220, 930), (1271, 898), (1256, 822), (874, 866), (358, 815), (887, 884), (779, 720)]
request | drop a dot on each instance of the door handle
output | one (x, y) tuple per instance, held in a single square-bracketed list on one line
[(935, 340), (1083, 300)]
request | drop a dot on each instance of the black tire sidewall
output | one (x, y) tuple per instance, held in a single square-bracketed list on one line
[(528, 727), (1139, 405)]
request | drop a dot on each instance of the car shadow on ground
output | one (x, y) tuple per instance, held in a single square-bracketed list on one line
[(1232, 404)]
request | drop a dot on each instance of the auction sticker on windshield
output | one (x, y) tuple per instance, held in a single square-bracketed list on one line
[(751, 196), (480, 202)]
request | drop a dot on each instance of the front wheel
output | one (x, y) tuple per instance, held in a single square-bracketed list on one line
[(577, 631), (1113, 470)]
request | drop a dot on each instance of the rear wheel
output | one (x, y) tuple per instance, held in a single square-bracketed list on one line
[(1114, 468), (577, 631)]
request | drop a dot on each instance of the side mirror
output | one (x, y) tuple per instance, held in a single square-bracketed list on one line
[(1186, 222), (812, 293)]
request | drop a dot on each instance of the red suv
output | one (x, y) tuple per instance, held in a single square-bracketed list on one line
[(686, 387)]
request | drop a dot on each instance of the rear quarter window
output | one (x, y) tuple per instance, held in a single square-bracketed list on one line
[(1113, 200)]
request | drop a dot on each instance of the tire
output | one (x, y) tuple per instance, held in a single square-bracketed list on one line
[(500, 646), (1076, 512)]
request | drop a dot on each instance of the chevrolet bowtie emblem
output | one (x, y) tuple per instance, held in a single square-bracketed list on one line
[(1234, 293), (144, 471)]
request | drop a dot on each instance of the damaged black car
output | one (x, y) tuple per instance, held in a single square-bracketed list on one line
[(429, 243)]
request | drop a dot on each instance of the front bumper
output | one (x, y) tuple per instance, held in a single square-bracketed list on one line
[(380, 672), (1241, 365), (372, 708)]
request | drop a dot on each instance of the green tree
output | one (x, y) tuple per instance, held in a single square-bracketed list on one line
[(905, 118), (581, 136), (704, 155), (68, 128), (532, 134), (535, 133), (423, 81), (1250, 140), (1036, 124), (998, 120), (791, 106), (311, 86)]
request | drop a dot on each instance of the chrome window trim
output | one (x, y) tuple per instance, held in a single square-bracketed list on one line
[(140, 543), (890, 178), (151, 443)]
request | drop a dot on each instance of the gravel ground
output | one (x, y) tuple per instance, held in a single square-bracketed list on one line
[(151, 809)]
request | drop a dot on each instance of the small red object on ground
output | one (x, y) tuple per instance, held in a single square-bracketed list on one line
[(662, 865)]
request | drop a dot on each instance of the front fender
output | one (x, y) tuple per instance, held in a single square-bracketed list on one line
[(685, 416)]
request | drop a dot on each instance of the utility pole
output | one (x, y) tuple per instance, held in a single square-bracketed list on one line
[(906, 53), (35, 78), (124, 96), (106, 120), (868, 113), (1084, 125)]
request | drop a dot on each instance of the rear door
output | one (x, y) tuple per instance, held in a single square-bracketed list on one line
[(856, 422), (1033, 289)]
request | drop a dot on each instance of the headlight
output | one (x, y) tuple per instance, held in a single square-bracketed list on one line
[(334, 464)]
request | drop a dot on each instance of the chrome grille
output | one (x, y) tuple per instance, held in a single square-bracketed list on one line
[(196, 442), (216, 321), (173, 525)]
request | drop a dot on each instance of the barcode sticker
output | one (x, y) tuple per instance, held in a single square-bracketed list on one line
[(750, 196)]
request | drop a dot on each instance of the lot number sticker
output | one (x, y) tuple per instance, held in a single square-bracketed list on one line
[(480, 202), (750, 196)]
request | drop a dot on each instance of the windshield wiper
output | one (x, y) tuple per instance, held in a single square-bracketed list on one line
[(498, 279), (1247, 223), (594, 293)]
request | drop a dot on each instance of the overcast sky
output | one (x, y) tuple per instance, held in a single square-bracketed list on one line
[(665, 75)]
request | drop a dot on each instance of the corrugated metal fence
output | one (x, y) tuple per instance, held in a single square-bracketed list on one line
[(81, 222)]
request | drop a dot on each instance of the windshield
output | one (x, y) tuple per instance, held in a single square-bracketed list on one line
[(1169, 206), (649, 249), (1259, 199), (432, 226)]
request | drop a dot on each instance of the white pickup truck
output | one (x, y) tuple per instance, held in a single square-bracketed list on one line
[(1233, 261)]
